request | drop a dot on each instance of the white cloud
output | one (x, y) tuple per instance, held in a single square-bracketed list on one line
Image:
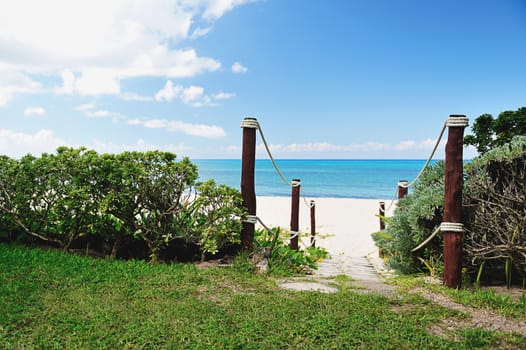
[(224, 95), (94, 81), (200, 32), (132, 96), (139, 145), (192, 95), (30, 111), (169, 92), (86, 107), (93, 45), (17, 144), (201, 130), (90, 110), (216, 8), (68, 82), (405, 145), (402, 148), (239, 68), (13, 82)]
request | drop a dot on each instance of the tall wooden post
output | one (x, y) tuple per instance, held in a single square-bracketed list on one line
[(452, 227), (248, 191), (381, 212), (312, 223), (402, 188), (295, 214)]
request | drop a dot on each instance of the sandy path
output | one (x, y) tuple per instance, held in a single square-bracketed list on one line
[(349, 222)]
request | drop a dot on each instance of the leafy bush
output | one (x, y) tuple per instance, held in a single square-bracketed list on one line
[(217, 210), (77, 195), (282, 259), (415, 218), (49, 198)]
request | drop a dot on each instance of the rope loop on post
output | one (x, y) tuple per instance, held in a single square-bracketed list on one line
[(295, 183), (294, 234), (457, 121), (251, 219), (249, 122), (403, 183), (452, 227)]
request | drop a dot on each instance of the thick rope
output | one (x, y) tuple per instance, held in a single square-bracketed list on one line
[(430, 157), (252, 123), (457, 121), (410, 184), (285, 181), (452, 227), (444, 227), (424, 243), (253, 219)]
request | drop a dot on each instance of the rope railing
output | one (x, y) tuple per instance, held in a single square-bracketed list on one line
[(443, 227), (426, 164), (454, 121), (254, 124), (253, 219)]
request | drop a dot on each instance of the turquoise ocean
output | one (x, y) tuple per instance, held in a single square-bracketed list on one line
[(374, 179)]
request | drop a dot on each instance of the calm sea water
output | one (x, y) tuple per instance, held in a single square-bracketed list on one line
[(376, 179)]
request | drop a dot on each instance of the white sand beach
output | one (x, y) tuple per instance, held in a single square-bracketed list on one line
[(348, 222)]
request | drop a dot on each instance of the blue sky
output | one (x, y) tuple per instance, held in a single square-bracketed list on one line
[(326, 79)]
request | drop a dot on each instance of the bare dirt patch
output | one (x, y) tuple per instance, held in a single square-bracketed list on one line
[(477, 318)]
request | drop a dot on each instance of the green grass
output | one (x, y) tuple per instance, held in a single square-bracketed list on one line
[(52, 300), (501, 303)]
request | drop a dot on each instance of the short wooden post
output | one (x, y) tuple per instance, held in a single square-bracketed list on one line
[(295, 214), (381, 212), (402, 188), (312, 223), (248, 191), (452, 219)]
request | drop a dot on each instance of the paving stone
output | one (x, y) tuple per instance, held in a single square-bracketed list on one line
[(307, 286)]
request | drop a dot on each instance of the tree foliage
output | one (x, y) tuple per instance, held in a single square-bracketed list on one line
[(490, 132)]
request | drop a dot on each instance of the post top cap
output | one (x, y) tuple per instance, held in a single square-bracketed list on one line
[(456, 120), (250, 123)]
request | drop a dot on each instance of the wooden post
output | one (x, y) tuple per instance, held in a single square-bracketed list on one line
[(452, 219), (381, 212), (248, 191), (295, 213), (312, 223), (402, 188)]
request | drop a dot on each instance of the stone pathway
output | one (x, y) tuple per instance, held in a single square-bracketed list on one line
[(363, 273)]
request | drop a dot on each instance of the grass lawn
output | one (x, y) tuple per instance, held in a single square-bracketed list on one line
[(49, 299)]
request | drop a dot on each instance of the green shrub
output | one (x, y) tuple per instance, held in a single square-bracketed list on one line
[(77, 196), (215, 214), (416, 216), (281, 258)]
